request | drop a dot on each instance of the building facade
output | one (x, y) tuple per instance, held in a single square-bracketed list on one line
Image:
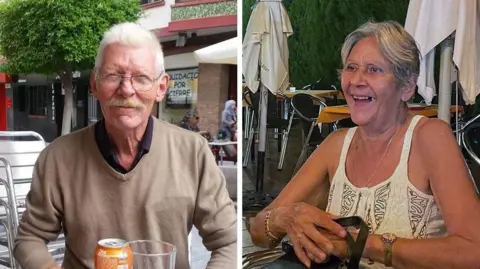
[(183, 27)]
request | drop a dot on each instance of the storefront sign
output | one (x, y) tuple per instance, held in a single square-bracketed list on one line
[(182, 90), (9, 102)]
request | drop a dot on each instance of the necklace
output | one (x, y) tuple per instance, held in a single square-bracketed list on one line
[(383, 157)]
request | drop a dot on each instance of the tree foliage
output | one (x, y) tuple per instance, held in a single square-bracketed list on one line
[(320, 27), (247, 6), (43, 36), (58, 37)]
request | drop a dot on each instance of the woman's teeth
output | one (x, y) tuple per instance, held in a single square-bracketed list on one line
[(363, 98)]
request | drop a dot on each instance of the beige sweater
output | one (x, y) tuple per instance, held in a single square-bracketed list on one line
[(176, 185)]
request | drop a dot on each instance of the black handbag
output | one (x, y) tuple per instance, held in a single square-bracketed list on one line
[(289, 259)]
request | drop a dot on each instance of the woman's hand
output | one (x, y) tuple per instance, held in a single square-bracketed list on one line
[(300, 222), (340, 245)]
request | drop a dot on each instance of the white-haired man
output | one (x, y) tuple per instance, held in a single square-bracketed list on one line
[(129, 176)]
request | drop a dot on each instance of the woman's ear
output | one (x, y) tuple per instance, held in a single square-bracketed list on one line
[(408, 91)]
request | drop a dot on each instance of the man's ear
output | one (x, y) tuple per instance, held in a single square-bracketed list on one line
[(93, 83), (162, 87), (408, 91)]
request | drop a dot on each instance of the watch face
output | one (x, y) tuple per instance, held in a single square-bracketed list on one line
[(389, 237)]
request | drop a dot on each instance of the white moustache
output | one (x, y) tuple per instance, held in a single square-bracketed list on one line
[(129, 103)]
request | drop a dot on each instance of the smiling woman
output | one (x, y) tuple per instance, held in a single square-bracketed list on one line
[(403, 174)]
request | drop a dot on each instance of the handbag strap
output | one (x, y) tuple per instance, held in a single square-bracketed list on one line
[(356, 246)]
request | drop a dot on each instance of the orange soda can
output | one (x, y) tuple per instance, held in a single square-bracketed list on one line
[(113, 253)]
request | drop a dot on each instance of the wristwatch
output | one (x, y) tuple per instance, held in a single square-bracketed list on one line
[(388, 239)]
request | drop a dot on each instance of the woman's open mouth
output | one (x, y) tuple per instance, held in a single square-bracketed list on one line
[(363, 100)]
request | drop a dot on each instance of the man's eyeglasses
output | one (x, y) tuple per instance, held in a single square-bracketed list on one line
[(140, 83)]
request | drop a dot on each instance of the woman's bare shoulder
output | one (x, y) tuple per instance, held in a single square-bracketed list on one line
[(332, 147), (431, 132), (334, 141)]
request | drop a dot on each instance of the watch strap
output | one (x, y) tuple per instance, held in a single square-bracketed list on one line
[(388, 253)]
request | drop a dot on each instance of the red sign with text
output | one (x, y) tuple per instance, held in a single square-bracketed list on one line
[(9, 102)]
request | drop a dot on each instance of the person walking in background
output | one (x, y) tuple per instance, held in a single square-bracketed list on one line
[(229, 118)]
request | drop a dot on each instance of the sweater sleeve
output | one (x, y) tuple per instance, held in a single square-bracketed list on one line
[(215, 216), (41, 221)]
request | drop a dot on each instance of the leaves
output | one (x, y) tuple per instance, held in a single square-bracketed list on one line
[(42, 36)]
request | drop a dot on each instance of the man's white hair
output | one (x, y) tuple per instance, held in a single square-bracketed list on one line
[(132, 35)]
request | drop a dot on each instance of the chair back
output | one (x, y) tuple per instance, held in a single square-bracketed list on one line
[(308, 108), (472, 141), (272, 109), (21, 150)]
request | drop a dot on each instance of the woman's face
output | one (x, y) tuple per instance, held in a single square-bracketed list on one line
[(369, 84), (233, 106), (193, 120)]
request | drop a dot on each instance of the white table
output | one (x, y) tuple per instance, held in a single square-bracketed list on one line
[(221, 144)]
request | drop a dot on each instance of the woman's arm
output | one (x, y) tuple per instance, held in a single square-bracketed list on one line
[(310, 185), (455, 194)]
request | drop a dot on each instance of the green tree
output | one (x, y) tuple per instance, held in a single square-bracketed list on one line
[(247, 6), (320, 27), (58, 37)]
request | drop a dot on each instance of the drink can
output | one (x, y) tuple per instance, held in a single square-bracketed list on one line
[(113, 253)]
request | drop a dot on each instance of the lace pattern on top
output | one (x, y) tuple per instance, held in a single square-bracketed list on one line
[(394, 205)]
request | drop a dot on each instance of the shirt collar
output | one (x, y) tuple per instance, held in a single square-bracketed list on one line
[(106, 146)]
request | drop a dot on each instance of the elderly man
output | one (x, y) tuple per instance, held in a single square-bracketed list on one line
[(129, 176)]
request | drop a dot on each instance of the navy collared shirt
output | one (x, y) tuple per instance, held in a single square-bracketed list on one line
[(107, 149)]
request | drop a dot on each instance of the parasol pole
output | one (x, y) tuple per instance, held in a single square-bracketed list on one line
[(445, 89), (262, 137)]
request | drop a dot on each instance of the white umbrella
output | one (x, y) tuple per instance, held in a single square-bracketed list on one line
[(432, 21), (224, 52), (265, 44), (265, 61)]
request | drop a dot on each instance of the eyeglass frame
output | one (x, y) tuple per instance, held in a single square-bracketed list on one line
[(123, 77)]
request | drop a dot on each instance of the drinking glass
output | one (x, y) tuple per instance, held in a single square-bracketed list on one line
[(152, 254)]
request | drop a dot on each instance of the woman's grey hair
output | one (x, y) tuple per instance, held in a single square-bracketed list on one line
[(396, 45), (132, 35)]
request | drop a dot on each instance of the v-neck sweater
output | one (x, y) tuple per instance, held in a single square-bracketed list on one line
[(176, 185)]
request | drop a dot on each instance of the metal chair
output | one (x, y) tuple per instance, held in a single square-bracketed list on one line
[(292, 121), (306, 108), (247, 113), (260, 258), (469, 140), (274, 121), (18, 153)]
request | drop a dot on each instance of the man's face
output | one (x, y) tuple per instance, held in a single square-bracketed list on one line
[(127, 103)]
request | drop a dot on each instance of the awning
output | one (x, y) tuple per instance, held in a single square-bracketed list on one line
[(224, 52)]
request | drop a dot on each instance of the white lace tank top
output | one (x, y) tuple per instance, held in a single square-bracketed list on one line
[(394, 205)]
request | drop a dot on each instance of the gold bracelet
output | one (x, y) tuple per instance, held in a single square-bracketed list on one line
[(271, 237)]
